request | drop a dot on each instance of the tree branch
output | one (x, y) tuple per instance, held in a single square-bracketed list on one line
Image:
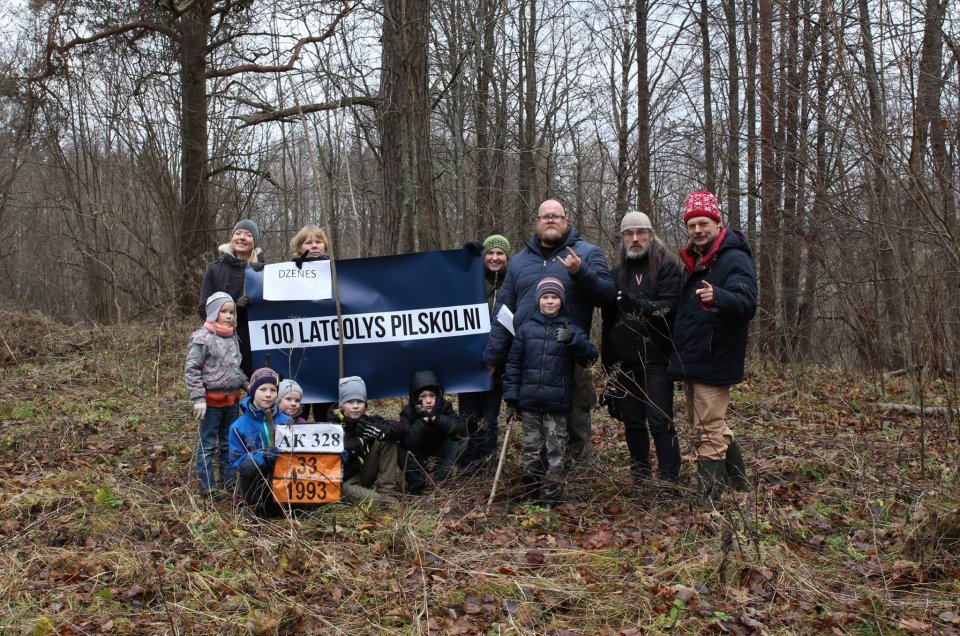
[(289, 113)]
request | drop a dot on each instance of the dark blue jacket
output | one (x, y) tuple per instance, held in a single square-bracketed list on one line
[(539, 373), (710, 342), (592, 286), (636, 328)]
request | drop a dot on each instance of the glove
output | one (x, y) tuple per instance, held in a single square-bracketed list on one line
[(299, 260), (421, 412), (474, 247), (629, 304), (370, 431), (511, 413), (199, 409), (564, 335), (243, 302), (612, 403)]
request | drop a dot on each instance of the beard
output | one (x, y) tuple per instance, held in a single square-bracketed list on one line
[(636, 253), (551, 236)]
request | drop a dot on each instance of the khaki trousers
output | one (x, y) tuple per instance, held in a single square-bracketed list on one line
[(706, 414)]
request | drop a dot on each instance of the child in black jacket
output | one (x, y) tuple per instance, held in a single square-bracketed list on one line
[(435, 430)]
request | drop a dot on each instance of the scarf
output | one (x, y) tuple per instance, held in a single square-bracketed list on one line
[(221, 330)]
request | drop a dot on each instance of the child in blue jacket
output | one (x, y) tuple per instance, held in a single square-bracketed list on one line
[(538, 383), (252, 445)]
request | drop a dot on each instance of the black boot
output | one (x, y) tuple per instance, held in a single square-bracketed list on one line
[(709, 481), (736, 470)]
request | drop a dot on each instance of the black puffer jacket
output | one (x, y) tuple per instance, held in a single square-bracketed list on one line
[(356, 446), (636, 328), (539, 374), (710, 341), (423, 435)]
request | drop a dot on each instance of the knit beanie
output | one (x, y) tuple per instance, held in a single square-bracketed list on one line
[(635, 221), (701, 204), (288, 386), (496, 240), (250, 226), (262, 376), (215, 303), (551, 286), (352, 388)]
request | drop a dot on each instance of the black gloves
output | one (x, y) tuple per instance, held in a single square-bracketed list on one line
[(421, 412), (299, 260), (511, 413), (370, 431), (474, 247), (612, 402), (243, 302), (564, 335), (630, 304)]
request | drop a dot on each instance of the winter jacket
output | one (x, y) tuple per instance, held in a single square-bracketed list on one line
[(354, 445), (592, 286), (424, 436), (251, 436), (636, 328), (539, 373), (710, 341), (213, 364), (225, 274)]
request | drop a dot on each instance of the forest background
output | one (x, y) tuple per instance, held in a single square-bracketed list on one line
[(134, 134)]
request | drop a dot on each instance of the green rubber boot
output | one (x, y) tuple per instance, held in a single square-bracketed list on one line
[(709, 482), (736, 470)]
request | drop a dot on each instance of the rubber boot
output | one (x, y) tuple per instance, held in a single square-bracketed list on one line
[(709, 481), (736, 470)]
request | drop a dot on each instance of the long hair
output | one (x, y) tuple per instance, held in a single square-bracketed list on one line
[(655, 255)]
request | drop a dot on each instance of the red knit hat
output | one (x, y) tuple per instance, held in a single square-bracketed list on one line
[(701, 204)]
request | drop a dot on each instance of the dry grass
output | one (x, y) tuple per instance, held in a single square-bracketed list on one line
[(101, 530)]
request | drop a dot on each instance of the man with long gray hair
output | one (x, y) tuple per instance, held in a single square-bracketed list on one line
[(637, 344)]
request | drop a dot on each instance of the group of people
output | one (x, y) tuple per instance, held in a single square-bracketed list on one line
[(665, 318)]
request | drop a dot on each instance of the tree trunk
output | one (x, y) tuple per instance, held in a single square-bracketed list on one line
[(750, 37), (733, 117), (644, 194), (769, 212), (709, 164)]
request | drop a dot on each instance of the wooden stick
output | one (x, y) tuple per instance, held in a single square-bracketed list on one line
[(503, 454)]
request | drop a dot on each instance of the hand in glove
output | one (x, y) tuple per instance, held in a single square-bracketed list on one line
[(564, 335), (243, 302), (199, 409), (421, 412), (629, 304), (475, 247), (511, 413), (370, 431), (298, 261), (612, 403)]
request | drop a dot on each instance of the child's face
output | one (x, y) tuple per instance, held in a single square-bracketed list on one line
[(428, 399), (265, 396), (290, 403), (314, 246), (228, 315), (354, 409), (550, 305)]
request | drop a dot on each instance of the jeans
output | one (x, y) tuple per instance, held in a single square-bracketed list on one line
[(482, 445), (647, 409), (212, 440)]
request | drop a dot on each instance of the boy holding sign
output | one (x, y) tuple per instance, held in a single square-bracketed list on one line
[(370, 442), (253, 448)]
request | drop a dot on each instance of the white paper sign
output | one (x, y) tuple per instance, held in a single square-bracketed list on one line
[(505, 318), (309, 438), (285, 281)]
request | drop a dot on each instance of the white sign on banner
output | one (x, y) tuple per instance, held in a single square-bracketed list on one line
[(286, 281), (309, 438)]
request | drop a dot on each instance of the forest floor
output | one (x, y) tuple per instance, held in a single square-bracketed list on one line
[(102, 531)]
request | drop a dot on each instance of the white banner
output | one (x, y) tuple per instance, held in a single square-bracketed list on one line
[(387, 326), (309, 438), (285, 281)]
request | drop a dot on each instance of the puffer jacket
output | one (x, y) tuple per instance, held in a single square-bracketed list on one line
[(710, 341), (354, 445), (424, 436), (592, 286), (539, 373), (213, 364), (636, 328), (251, 435)]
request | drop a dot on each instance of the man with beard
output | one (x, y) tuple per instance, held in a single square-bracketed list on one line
[(556, 250), (637, 345), (710, 338)]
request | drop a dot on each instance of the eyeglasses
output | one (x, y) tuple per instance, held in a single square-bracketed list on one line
[(550, 218), (633, 233)]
